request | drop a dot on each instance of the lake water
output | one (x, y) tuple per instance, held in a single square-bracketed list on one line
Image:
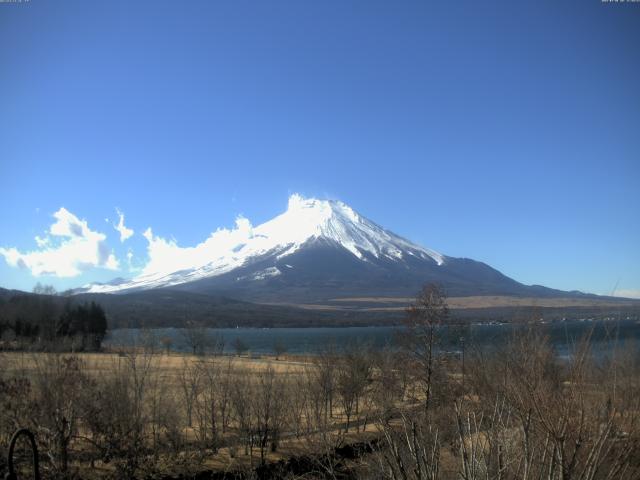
[(563, 335)]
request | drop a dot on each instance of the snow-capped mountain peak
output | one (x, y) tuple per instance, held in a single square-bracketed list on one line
[(335, 221), (305, 222)]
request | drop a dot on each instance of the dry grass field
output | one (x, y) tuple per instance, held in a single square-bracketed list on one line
[(176, 383), (167, 365), (399, 304)]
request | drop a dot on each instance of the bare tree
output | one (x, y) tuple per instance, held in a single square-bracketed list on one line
[(228, 375), (149, 341), (195, 337), (389, 385), (353, 377), (240, 346), (298, 394), (269, 410), (411, 448), (167, 343), (424, 317), (116, 413), (209, 402), (189, 380), (279, 348), (324, 376), (241, 396), (59, 382)]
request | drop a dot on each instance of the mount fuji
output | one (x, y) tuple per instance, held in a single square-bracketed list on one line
[(318, 251)]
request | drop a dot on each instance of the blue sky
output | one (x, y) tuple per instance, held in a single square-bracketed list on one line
[(506, 132)]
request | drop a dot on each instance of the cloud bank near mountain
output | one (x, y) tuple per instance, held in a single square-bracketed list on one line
[(166, 256), (67, 249)]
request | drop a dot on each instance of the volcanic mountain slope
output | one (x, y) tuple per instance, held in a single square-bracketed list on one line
[(316, 251)]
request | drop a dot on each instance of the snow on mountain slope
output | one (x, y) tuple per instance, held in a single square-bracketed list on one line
[(304, 221)]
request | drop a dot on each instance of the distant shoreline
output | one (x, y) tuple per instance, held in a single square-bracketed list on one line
[(307, 340)]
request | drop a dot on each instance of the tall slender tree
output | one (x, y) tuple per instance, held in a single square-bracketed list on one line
[(425, 316)]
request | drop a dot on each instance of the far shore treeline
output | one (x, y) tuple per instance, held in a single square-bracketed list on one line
[(45, 321)]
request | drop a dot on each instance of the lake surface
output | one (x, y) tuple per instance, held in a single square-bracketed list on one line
[(605, 335)]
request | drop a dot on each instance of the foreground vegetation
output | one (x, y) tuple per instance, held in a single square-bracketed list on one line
[(516, 412)]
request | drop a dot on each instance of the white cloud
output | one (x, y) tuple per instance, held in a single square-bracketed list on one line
[(42, 242), (165, 256), (69, 248), (120, 227), (130, 265), (628, 293)]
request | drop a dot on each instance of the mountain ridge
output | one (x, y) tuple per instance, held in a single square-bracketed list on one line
[(314, 251), (304, 222)]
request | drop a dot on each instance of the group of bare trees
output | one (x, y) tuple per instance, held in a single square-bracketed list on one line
[(538, 417), (517, 411), (138, 411)]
